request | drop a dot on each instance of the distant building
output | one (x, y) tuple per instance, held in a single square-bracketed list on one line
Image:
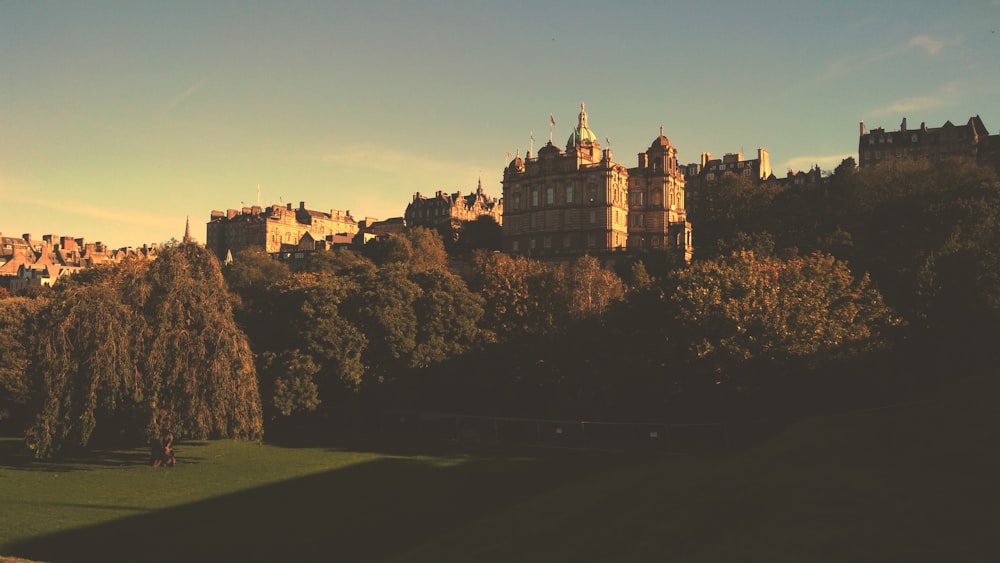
[(28, 262), (452, 209), (566, 203), (371, 228), (657, 218), (971, 140), (274, 229), (702, 176)]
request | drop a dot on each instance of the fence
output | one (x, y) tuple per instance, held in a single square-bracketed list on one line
[(631, 436)]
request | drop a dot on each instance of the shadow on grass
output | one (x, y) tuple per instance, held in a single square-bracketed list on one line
[(15, 455), (364, 512)]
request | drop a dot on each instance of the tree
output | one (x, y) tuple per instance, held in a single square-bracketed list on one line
[(85, 364), (744, 308), (125, 342), (448, 316), (199, 362), (522, 296), (592, 288), (16, 317)]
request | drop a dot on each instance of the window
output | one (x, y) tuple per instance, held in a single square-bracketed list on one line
[(534, 220), (517, 201), (591, 240), (531, 243), (534, 197), (566, 241), (569, 193), (567, 218), (550, 195), (593, 216), (547, 241), (515, 246)]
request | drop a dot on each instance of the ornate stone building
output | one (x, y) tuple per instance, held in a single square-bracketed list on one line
[(566, 203), (452, 208), (710, 170), (657, 217), (971, 140), (275, 228)]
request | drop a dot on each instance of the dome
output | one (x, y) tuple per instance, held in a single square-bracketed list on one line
[(661, 141), (582, 133)]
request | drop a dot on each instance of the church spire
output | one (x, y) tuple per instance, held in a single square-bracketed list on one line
[(187, 230)]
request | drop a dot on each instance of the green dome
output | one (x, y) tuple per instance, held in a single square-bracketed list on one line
[(582, 132)]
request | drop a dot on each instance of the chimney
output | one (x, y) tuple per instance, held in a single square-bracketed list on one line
[(862, 128), (902, 126), (302, 205)]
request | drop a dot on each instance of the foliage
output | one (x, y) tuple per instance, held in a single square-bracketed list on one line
[(745, 308), (124, 341), (448, 316), (522, 296), (16, 317), (592, 289)]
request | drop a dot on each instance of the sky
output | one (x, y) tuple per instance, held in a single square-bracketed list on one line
[(121, 120)]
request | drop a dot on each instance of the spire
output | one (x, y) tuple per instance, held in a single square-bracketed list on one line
[(187, 229), (479, 190), (661, 130), (583, 116)]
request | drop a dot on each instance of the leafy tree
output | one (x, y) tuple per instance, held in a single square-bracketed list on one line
[(125, 341), (253, 270), (382, 308), (16, 316), (198, 362), (86, 364), (522, 296), (592, 289), (448, 316), (744, 308)]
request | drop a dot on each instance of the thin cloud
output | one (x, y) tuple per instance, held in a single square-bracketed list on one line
[(382, 159), (126, 216), (911, 104), (927, 43), (183, 95)]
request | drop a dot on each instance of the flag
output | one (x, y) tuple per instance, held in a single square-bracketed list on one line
[(508, 155), (552, 120)]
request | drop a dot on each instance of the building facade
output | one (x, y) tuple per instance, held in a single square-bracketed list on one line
[(971, 140), (453, 209), (275, 228), (566, 203), (657, 218)]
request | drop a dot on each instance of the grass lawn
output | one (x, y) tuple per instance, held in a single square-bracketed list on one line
[(914, 484)]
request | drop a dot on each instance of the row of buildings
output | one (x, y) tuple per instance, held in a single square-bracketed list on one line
[(563, 202), (27, 262), (555, 205)]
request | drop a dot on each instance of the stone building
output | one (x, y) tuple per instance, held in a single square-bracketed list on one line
[(657, 217), (274, 229), (453, 208), (971, 140), (566, 203), (711, 170)]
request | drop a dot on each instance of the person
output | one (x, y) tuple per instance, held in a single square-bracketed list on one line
[(162, 450)]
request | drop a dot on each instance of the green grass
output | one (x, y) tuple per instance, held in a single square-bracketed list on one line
[(915, 484)]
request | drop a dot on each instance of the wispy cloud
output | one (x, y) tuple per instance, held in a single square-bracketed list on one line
[(927, 43), (126, 216), (910, 104), (825, 162), (183, 95), (376, 158)]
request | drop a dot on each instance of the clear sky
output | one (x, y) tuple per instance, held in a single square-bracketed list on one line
[(120, 119)]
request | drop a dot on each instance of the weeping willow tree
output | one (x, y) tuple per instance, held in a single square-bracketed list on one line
[(198, 362), (115, 347), (84, 365)]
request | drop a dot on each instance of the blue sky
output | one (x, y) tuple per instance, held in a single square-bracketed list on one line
[(120, 119)]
